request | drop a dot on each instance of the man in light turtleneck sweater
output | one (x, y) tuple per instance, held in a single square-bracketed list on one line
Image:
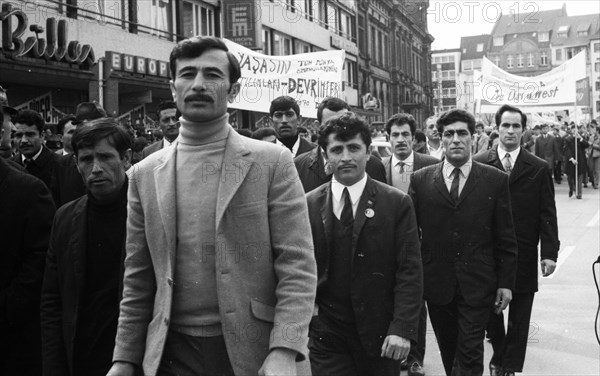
[(285, 115), (220, 276)]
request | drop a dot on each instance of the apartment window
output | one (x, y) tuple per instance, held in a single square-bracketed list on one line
[(520, 61), (95, 9), (597, 106), (563, 32), (497, 60), (301, 47), (282, 44), (544, 58), (582, 33), (332, 18), (479, 47), (347, 28), (544, 36), (309, 9), (157, 14), (596, 47), (597, 85), (498, 41), (267, 41), (597, 67), (467, 66), (362, 35), (530, 60), (509, 61), (379, 47), (373, 45), (198, 19), (290, 5), (351, 74)]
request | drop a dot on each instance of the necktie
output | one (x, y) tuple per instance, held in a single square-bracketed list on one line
[(400, 168), (347, 218), (506, 162), (26, 162), (454, 186)]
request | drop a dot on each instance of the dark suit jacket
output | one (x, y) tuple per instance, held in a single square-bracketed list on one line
[(43, 167), (569, 152), (152, 148), (546, 149), (470, 244), (26, 212), (386, 289), (311, 169), (305, 146), (67, 183), (64, 279), (420, 161), (534, 213)]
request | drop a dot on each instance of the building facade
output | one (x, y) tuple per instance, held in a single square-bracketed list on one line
[(56, 54), (445, 70)]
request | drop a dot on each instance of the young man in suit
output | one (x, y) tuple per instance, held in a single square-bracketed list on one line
[(534, 215), (37, 159), (367, 249), (168, 121), (311, 165), (26, 213), (468, 244), (84, 264), (545, 147), (285, 116), (399, 167), (220, 277), (480, 140)]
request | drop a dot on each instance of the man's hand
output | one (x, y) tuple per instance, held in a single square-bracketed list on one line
[(121, 369), (395, 347), (548, 267), (503, 297), (279, 362), (573, 160)]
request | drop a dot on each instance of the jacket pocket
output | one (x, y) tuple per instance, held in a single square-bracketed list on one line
[(262, 311)]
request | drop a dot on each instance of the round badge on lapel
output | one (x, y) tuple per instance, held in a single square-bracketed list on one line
[(369, 213)]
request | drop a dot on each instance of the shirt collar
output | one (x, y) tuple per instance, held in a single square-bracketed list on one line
[(23, 157), (465, 169), (410, 160), (513, 154), (355, 190)]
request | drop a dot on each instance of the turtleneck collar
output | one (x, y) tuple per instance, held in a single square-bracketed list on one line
[(201, 133), (119, 201)]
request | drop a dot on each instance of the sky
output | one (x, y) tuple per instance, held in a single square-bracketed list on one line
[(448, 21)]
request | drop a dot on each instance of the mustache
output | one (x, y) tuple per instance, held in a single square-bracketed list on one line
[(199, 97)]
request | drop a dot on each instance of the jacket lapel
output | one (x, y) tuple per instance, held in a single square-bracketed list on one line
[(367, 200), (236, 164), (77, 245), (327, 215), (440, 184), (521, 166), (165, 178), (471, 182), (317, 165), (387, 165)]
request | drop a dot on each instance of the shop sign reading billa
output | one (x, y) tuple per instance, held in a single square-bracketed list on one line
[(54, 47)]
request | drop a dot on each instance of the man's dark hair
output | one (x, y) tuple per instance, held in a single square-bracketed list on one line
[(100, 129), (261, 133), (479, 125), (509, 108), (196, 46), (452, 116), (60, 127), (420, 136), (165, 105), (284, 103), (332, 104), (345, 127), (401, 118), (30, 117)]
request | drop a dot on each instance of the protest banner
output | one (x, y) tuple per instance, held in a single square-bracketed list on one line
[(553, 89), (42, 105), (309, 78)]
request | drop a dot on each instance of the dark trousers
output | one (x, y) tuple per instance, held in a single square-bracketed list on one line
[(194, 356), (575, 186), (558, 171), (460, 330), (417, 349), (510, 346), (337, 351)]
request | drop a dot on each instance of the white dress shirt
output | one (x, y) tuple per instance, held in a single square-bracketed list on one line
[(355, 191), (448, 172)]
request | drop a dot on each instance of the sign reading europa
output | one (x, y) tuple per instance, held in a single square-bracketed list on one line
[(137, 64), (54, 47)]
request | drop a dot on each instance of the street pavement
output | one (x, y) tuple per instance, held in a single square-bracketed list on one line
[(561, 334)]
